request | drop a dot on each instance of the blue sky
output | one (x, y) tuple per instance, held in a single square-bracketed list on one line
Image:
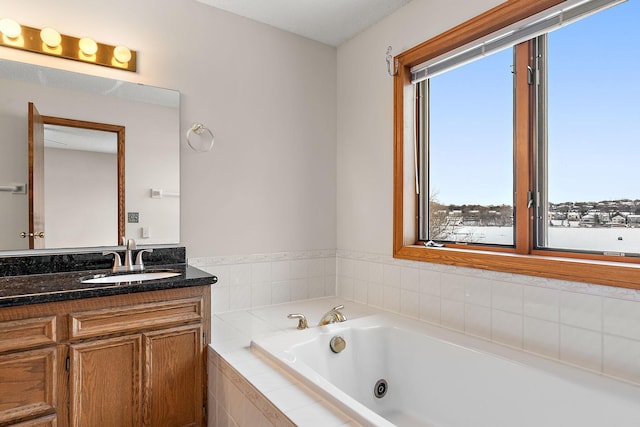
[(594, 110)]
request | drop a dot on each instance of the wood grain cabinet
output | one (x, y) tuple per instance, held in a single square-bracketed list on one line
[(134, 360)]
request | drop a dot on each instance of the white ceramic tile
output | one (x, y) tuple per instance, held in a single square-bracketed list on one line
[(299, 269), (330, 286), (345, 287), (316, 267), (410, 279), (430, 282), (280, 271), (260, 272), (270, 381), (430, 308), (360, 291), (317, 414), (478, 320), (506, 328), (299, 289), (345, 267), (280, 292), (622, 358), (542, 337), (542, 303), (222, 272), (391, 298), (252, 367), (621, 318), (316, 287), (228, 346), (391, 275), (260, 294), (239, 297), (219, 299), (330, 266), (375, 296), (240, 274), (583, 311), (410, 303), (507, 297), (452, 289), (452, 314), (290, 398), (360, 270), (581, 347), (375, 272), (478, 292), (222, 331)]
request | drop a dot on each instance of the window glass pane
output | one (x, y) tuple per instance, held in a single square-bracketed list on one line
[(470, 153), (593, 140)]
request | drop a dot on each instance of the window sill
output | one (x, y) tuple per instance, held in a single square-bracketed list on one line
[(623, 275)]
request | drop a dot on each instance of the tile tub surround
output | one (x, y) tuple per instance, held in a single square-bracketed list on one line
[(591, 326), (246, 390), (264, 279)]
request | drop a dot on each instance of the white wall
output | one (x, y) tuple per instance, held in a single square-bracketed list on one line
[(269, 97), (365, 117)]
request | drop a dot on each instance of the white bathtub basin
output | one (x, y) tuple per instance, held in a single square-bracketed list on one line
[(439, 378)]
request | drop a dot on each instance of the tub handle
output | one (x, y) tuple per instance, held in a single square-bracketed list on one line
[(302, 320)]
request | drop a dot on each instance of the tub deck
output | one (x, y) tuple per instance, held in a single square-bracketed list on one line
[(302, 406)]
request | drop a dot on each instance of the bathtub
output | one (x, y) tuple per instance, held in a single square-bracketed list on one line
[(434, 377)]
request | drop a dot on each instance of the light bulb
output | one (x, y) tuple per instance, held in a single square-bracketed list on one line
[(88, 46), (10, 28), (122, 54), (50, 37)]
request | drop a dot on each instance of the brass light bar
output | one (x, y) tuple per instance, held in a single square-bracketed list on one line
[(30, 39)]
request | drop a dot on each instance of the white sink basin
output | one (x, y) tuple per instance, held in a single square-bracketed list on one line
[(131, 277)]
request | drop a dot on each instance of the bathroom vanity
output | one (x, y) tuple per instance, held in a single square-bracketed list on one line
[(117, 354)]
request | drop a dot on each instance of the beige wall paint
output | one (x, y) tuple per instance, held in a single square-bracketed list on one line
[(269, 97)]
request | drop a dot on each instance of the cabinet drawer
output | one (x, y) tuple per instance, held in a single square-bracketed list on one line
[(27, 333), (27, 384), (141, 317)]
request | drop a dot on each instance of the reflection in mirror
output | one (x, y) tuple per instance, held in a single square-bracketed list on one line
[(151, 117), (83, 183)]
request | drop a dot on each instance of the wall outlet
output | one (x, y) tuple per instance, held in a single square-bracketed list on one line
[(133, 217)]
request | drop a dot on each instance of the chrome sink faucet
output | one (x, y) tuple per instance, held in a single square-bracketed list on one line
[(333, 316), (128, 258)]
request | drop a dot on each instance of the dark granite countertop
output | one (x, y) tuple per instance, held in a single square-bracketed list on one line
[(50, 287)]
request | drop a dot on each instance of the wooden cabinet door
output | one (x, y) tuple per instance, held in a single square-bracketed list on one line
[(173, 375), (105, 382), (27, 384)]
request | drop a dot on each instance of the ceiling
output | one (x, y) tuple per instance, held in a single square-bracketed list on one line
[(328, 21)]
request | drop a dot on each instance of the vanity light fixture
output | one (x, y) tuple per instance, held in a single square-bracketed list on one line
[(10, 28), (88, 46), (50, 37), (50, 42)]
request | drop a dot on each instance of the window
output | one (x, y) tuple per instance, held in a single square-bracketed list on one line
[(466, 148), (525, 146)]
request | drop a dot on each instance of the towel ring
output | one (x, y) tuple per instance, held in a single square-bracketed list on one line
[(199, 129)]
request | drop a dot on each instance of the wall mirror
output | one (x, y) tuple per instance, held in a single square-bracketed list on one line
[(129, 189)]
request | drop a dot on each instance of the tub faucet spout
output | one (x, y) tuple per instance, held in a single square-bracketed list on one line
[(333, 316)]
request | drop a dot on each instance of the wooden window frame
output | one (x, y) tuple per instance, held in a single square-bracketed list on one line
[(523, 258)]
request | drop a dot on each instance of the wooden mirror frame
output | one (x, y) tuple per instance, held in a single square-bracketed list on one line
[(59, 121)]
